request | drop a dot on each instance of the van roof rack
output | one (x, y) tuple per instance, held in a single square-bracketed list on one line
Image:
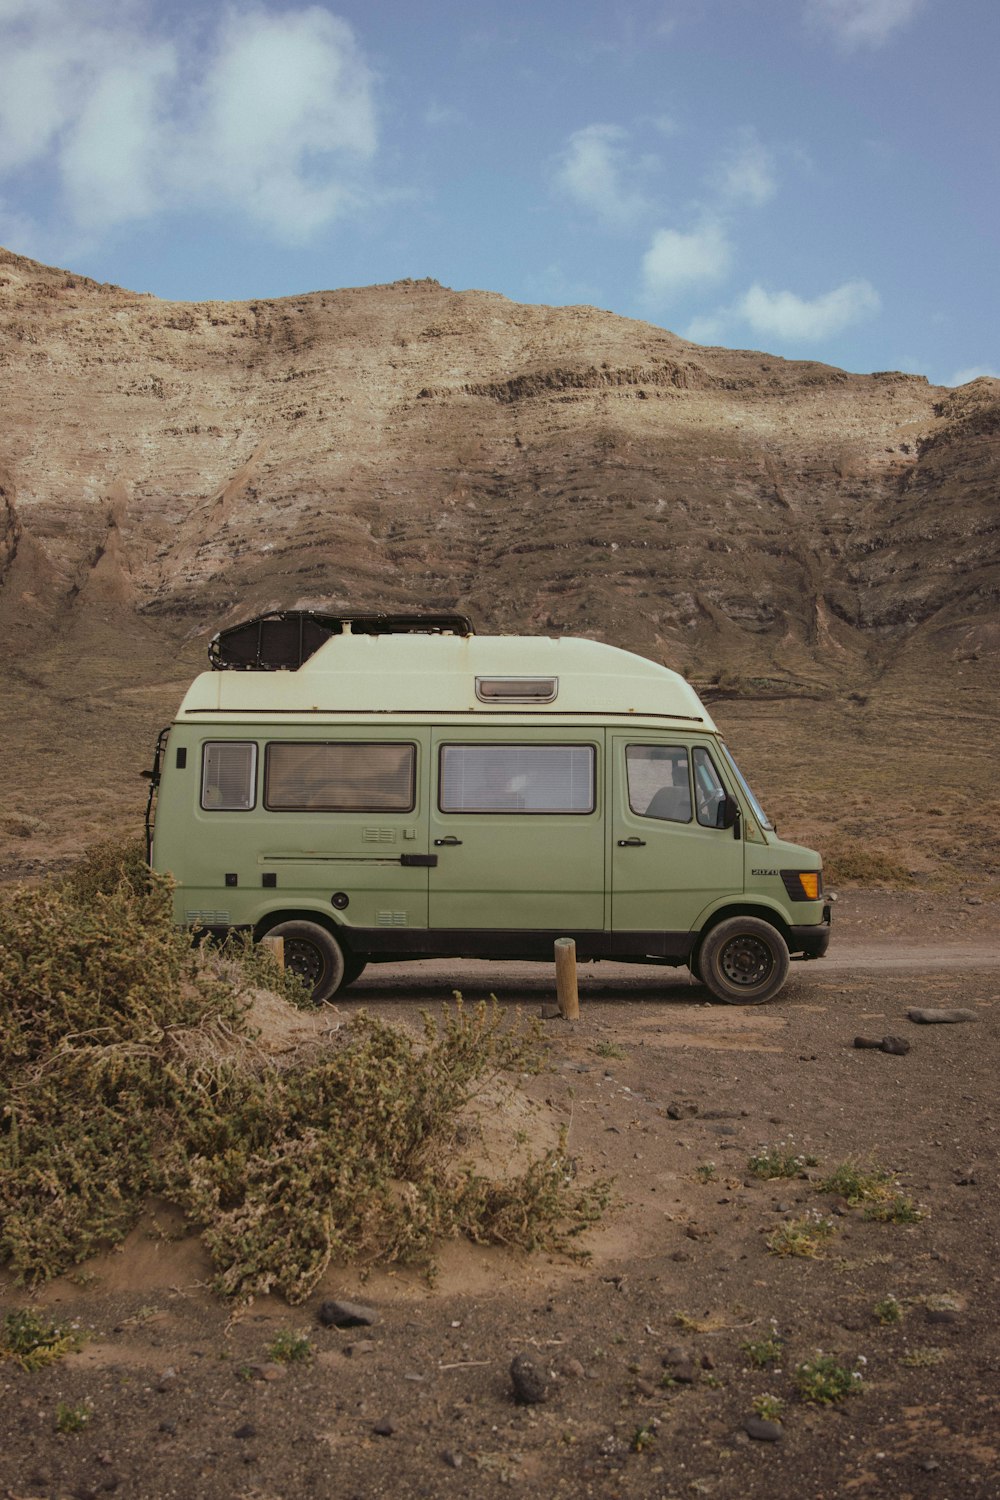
[(282, 640)]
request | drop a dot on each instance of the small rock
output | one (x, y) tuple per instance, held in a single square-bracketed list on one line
[(550, 1011), (930, 1465), (530, 1385), (452, 1459), (867, 1041), (940, 1017), (269, 1370), (570, 1368), (680, 1255), (248, 1430), (897, 1046), (362, 1346), (942, 1315), (346, 1315), (384, 1428), (169, 1428), (644, 1387), (167, 1379), (762, 1430)]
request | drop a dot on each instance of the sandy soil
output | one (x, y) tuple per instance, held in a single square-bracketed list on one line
[(669, 1095)]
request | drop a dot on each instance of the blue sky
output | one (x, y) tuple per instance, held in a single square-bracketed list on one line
[(817, 178)]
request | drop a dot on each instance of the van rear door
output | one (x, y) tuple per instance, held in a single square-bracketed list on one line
[(517, 824), (668, 857)]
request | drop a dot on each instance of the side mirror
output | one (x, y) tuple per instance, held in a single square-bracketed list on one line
[(729, 815)]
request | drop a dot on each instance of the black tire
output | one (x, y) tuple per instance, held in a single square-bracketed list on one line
[(743, 961), (313, 953), (353, 969)]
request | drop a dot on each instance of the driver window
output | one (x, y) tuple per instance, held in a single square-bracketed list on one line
[(658, 782), (709, 792)]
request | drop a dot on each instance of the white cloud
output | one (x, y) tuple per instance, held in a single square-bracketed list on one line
[(438, 115), (273, 116), (974, 372), (708, 328), (746, 173), (786, 315), (287, 106), (861, 23), (596, 171), (108, 160), (676, 261)]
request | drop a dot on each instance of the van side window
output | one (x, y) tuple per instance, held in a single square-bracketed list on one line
[(709, 793), (658, 785), (340, 776), (229, 775), (517, 778)]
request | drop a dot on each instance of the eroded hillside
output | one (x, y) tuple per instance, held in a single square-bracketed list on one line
[(772, 528)]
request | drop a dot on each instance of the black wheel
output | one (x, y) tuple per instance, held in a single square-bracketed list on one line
[(743, 961), (313, 953)]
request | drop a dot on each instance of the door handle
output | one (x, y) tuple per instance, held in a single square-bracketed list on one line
[(632, 843), (450, 840)]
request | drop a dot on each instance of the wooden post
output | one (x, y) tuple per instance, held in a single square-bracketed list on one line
[(566, 990), (277, 949)]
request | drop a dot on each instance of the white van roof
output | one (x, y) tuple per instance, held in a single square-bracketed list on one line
[(434, 674)]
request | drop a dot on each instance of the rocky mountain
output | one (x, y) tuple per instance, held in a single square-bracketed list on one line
[(768, 527)]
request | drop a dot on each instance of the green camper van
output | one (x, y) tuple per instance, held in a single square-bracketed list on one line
[(374, 788)]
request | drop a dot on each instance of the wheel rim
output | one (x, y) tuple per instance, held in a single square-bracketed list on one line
[(305, 960), (746, 961)]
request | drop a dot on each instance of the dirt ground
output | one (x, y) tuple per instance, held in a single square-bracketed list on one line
[(643, 1346)]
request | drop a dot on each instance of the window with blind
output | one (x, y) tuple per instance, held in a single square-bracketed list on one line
[(229, 775), (340, 776), (517, 778)]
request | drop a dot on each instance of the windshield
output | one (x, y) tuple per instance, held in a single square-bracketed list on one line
[(758, 811)]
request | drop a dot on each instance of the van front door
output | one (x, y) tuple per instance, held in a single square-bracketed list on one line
[(669, 859), (517, 824)]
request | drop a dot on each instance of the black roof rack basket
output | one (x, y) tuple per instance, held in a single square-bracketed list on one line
[(283, 639)]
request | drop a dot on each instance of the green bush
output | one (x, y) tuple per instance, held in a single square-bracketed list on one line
[(31, 1342)]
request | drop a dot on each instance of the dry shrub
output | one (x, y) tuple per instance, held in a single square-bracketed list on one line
[(129, 1066), (847, 862)]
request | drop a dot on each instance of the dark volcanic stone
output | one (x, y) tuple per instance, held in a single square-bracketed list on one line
[(530, 1385), (762, 1430), (346, 1315), (939, 1017)]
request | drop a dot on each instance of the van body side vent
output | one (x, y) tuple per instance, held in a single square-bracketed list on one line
[(517, 689)]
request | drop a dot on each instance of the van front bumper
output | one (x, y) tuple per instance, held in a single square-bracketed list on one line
[(811, 941)]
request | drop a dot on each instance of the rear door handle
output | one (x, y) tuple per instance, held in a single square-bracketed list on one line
[(450, 840), (631, 843)]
